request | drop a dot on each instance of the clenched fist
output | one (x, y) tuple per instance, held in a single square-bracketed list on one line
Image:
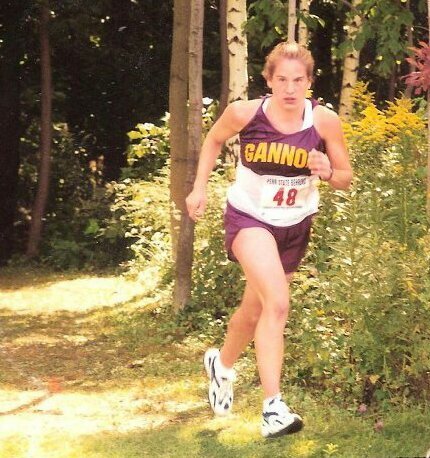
[(196, 204), (319, 164)]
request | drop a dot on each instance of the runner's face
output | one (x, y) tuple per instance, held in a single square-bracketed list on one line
[(289, 83)]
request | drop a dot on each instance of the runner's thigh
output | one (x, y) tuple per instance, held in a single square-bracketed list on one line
[(257, 253)]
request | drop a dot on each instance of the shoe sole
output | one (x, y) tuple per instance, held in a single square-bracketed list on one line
[(294, 427)]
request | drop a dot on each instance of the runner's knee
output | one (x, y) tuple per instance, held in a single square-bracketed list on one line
[(245, 318), (277, 307)]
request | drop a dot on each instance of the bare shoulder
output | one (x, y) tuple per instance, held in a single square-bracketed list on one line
[(326, 121), (239, 113)]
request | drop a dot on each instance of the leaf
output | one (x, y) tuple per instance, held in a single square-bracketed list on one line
[(360, 41), (92, 227), (134, 135), (374, 378), (420, 79)]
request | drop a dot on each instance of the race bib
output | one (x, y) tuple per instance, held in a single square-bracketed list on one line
[(285, 192)]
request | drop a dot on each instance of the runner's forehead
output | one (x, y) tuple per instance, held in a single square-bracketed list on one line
[(289, 68)]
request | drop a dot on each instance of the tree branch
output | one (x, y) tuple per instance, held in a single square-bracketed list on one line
[(348, 4)]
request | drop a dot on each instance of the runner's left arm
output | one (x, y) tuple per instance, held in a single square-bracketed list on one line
[(339, 173)]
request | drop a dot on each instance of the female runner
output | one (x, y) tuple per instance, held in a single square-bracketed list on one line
[(287, 143)]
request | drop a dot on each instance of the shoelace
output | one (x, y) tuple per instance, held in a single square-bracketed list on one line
[(281, 409)]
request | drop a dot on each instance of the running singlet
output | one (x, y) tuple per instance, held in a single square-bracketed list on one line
[(273, 183)]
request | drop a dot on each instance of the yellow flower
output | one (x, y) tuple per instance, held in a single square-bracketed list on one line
[(397, 123)]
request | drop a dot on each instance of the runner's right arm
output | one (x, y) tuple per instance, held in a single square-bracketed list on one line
[(229, 124)]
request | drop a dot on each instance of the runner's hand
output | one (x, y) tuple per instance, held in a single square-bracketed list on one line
[(319, 164), (196, 204)]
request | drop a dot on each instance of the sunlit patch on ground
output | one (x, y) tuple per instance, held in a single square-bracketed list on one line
[(57, 296), (47, 328), (77, 413), (242, 430)]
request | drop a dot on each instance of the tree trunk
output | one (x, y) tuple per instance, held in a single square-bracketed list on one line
[(183, 266), (178, 97), (41, 199), (223, 100), (392, 84), (350, 68), (303, 30), (238, 62), (292, 20), (412, 68), (237, 50), (12, 51)]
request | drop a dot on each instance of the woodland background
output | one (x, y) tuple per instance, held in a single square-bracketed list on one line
[(103, 193)]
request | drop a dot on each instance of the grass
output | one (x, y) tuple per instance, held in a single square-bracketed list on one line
[(88, 368)]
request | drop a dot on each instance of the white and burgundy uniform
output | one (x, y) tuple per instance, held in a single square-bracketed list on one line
[(274, 188), (273, 183)]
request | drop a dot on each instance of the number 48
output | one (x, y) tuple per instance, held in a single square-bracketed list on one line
[(291, 197)]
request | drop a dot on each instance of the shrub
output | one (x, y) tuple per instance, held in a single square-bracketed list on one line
[(360, 300), (363, 295), (78, 205)]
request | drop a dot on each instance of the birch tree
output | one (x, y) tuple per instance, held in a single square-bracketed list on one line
[(386, 26), (225, 70), (184, 260), (237, 50), (303, 29), (408, 91), (292, 20), (350, 63), (41, 198), (238, 61)]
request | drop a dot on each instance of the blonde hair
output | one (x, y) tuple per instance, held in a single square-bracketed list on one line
[(288, 50)]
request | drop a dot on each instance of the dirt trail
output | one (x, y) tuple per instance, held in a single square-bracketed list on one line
[(61, 371)]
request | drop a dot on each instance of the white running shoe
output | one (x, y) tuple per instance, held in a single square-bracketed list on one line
[(278, 420), (220, 392)]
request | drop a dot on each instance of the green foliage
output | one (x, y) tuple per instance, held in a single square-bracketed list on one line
[(383, 23), (360, 303), (76, 226), (266, 21), (363, 296), (218, 283), (142, 209), (149, 151)]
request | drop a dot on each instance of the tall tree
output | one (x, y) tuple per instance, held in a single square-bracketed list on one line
[(178, 97), (183, 265), (350, 62), (225, 70), (292, 20), (237, 50), (11, 54), (303, 30), (238, 63), (410, 33), (41, 198)]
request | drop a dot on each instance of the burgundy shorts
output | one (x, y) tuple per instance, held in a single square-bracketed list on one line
[(292, 241)]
